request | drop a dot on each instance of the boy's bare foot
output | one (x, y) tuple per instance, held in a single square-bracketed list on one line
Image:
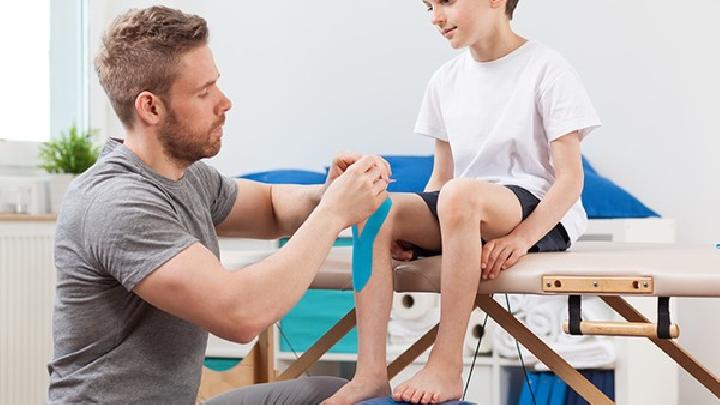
[(432, 384), (359, 389)]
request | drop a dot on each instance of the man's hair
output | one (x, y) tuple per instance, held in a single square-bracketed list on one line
[(141, 51), (510, 8)]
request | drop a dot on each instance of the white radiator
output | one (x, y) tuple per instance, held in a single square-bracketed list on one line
[(27, 277)]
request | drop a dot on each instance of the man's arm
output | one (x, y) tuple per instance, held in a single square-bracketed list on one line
[(270, 211), (237, 305), (267, 211), (442, 166)]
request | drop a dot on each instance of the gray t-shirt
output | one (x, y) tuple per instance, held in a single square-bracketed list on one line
[(120, 221)]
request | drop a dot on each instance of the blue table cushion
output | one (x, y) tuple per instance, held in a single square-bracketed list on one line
[(286, 176), (411, 172), (602, 198)]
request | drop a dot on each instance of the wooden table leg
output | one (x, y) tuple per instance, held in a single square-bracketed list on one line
[(257, 367), (320, 347), (263, 357), (670, 347), (412, 352), (544, 353)]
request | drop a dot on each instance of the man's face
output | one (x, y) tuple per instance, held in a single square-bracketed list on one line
[(462, 22), (196, 107)]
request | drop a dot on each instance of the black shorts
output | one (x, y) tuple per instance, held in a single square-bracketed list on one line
[(557, 240)]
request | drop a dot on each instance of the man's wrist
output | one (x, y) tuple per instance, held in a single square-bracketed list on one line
[(332, 219), (318, 193)]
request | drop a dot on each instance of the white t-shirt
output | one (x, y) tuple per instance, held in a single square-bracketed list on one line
[(500, 117)]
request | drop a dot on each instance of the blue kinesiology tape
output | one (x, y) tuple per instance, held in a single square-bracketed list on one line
[(362, 252)]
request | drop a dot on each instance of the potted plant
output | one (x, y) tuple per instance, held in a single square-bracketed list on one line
[(66, 156)]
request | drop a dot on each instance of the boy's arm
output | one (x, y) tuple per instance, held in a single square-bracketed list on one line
[(442, 166), (563, 193)]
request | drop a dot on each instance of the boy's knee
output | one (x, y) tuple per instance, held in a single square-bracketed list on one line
[(459, 199), (387, 230)]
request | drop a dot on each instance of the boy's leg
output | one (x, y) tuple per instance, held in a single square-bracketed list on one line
[(466, 208), (410, 220)]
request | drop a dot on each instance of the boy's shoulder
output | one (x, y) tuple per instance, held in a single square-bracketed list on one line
[(549, 60), (451, 66), (543, 59)]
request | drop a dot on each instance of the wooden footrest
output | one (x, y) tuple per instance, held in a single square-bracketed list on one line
[(622, 329)]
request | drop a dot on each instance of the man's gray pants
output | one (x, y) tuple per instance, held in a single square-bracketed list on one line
[(306, 390)]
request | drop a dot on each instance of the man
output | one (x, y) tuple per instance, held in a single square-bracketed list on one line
[(139, 281)]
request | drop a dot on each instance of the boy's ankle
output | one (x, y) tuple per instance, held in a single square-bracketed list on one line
[(379, 374), (446, 363)]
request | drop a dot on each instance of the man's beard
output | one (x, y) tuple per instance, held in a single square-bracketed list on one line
[(185, 145)]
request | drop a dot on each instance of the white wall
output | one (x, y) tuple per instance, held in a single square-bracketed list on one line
[(652, 70), (308, 80), (311, 79)]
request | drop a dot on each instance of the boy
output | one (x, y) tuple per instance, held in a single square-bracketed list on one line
[(508, 116)]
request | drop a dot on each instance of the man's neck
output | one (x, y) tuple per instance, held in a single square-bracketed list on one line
[(501, 43), (150, 151)]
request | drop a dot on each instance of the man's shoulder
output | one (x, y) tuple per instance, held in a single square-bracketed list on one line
[(205, 179), (103, 190), (199, 171), (109, 178)]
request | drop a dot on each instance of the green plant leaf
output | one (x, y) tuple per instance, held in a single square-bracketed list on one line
[(73, 152)]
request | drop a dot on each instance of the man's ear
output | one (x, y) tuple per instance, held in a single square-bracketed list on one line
[(149, 108)]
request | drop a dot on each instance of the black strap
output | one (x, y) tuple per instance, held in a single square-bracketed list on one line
[(663, 318), (574, 314)]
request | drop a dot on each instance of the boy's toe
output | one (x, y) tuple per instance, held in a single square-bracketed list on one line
[(408, 394), (417, 396)]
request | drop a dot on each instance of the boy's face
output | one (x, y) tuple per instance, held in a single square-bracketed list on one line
[(465, 22)]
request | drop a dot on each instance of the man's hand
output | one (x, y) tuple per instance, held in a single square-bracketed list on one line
[(343, 161), (501, 254), (358, 191)]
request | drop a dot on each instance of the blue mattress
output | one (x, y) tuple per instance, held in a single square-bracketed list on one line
[(602, 198)]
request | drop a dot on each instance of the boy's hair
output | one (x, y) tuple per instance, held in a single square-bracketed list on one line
[(141, 51), (510, 8)]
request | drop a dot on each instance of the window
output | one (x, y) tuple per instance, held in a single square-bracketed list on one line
[(45, 77), (25, 105)]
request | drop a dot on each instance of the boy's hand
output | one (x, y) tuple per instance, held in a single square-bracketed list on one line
[(501, 254), (402, 251)]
